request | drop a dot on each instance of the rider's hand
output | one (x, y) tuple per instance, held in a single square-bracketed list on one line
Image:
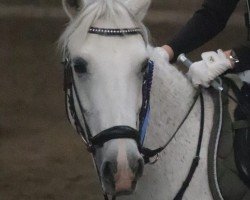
[(169, 51), (212, 65), (159, 55)]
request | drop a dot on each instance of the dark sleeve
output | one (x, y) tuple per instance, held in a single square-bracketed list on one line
[(243, 54), (206, 23)]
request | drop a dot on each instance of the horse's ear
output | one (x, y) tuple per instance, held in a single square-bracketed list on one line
[(138, 8), (72, 7)]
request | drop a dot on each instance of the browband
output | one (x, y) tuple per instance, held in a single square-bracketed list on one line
[(114, 32)]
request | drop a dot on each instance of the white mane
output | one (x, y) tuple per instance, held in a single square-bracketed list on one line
[(111, 10)]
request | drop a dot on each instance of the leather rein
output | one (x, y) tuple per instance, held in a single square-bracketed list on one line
[(93, 142)]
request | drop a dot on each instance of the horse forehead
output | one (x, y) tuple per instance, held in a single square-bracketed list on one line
[(108, 48)]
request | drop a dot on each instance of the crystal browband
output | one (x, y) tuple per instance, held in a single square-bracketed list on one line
[(114, 32)]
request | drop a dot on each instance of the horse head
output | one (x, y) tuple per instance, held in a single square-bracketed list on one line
[(107, 76)]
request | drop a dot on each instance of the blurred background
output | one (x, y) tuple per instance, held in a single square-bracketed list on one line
[(41, 158)]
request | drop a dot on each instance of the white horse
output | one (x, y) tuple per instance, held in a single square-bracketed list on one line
[(107, 71)]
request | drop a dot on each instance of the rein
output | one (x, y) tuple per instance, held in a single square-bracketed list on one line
[(247, 19), (93, 142), (148, 153)]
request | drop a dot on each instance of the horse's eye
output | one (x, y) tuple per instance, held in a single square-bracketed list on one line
[(144, 66), (80, 65)]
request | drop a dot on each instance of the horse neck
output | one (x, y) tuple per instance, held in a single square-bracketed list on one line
[(171, 97)]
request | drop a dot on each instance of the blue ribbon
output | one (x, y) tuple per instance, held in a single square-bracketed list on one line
[(145, 110), (143, 130)]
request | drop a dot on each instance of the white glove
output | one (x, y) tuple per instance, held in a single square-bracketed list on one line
[(212, 65)]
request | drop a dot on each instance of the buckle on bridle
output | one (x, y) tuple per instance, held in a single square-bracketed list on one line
[(149, 159), (156, 158), (90, 148)]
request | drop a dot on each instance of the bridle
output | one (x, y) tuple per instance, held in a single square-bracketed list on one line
[(72, 96), (118, 132)]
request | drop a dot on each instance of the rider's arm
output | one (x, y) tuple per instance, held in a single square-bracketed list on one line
[(206, 23)]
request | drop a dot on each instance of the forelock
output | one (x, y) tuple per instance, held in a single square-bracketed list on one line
[(92, 11)]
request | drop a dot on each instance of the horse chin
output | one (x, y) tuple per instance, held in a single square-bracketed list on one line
[(126, 189), (124, 193), (117, 190)]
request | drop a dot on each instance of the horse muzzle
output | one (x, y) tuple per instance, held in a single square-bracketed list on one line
[(121, 181), (123, 164)]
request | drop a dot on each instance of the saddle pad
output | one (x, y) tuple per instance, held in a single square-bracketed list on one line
[(224, 180)]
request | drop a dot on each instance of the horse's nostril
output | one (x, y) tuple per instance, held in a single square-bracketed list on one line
[(108, 171), (140, 168)]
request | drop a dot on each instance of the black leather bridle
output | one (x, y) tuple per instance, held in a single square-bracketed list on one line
[(92, 142), (72, 96), (118, 132)]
